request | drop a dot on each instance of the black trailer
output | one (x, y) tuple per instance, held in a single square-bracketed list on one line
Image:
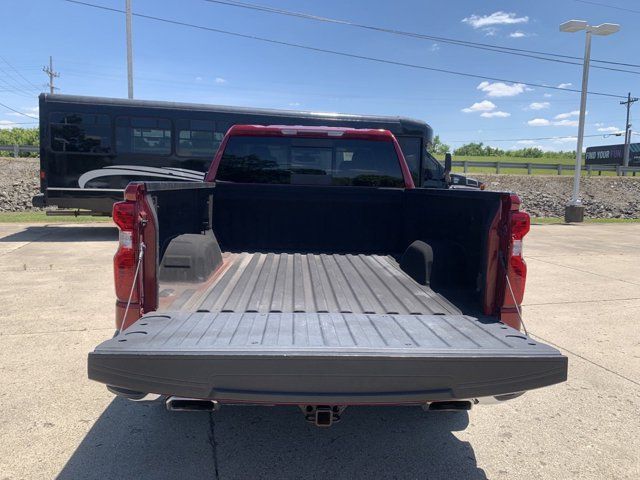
[(91, 147)]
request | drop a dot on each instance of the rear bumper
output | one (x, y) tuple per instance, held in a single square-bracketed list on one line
[(198, 356), (344, 381)]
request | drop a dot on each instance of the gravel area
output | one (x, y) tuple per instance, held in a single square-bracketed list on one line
[(18, 183), (542, 195), (547, 195)]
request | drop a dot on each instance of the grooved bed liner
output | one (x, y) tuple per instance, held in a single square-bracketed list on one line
[(320, 358), (283, 282)]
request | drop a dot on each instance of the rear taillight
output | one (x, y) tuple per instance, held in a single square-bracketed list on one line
[(126, 257), (519, 223)]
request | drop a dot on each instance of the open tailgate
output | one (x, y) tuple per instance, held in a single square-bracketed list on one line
[(324, 358)]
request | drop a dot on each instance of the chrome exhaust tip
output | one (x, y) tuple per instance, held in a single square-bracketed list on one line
[(182, 404)]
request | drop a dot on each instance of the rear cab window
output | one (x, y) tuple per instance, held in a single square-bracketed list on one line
[(310, 161)]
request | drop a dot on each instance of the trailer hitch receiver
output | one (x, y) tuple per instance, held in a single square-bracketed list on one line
[(322, 415)]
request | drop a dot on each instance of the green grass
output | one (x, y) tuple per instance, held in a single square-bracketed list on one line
[(559, 220), (517, 171), (41, 217), (547, 160)]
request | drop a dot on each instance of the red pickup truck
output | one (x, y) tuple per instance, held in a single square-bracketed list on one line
[(307, 269)]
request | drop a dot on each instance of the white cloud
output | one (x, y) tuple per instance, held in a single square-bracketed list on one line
[(7, 124), (539, 105), (490, 31), (547, 95), (566, 123), (435, 47), (496, 18), (526, 142), (29, 111), (518, 34), (564, 140), (294, 104), (220, 81), (562, 116), (497, 113), (564, 85), (198, 79), (539, 122), (500, 89), (609, 129), (483, 106), (598, 124)]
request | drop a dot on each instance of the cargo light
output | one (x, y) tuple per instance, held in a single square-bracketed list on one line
[(330, 133)]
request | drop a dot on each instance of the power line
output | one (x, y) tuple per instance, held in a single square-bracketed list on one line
[(20, 74), (526, 139), (6, 86), (17, 111), (482, 46), (335, 52), (608, 6), (15, 83)]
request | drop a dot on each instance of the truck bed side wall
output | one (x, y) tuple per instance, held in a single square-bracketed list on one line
[(308, 219)]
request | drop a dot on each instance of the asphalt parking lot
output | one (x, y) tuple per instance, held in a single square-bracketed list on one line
[(56, 298)]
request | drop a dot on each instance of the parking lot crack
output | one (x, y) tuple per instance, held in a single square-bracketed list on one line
[(586, 271), (214, 444), (581, 357)]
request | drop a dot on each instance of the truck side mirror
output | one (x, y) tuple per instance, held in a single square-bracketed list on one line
[(447, 167)]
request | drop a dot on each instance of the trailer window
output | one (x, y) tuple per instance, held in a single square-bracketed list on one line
[(143, 135), (198, 138), (80, 133), (310, 161)]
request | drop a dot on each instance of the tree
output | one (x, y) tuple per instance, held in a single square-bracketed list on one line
[(21, 136), (528, 152), (437, 147), (470, 150)]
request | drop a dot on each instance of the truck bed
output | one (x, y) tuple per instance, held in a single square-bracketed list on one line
[(308, 283), (319, 329)]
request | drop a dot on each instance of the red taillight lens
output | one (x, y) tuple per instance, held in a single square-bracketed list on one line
[(520, 224), (123, 215), (124, 267), (124, 261)]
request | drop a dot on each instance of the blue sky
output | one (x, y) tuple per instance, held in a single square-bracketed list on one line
[(183, 64)]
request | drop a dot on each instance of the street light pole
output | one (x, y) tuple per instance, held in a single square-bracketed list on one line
[(574, 212), (575, 197), (129, 50)]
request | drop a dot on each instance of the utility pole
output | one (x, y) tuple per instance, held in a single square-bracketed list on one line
[(52, 74), (627, 130), (129, 50)]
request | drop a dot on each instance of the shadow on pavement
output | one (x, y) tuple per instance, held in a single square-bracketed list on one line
[(64, 233), (145, 441)]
